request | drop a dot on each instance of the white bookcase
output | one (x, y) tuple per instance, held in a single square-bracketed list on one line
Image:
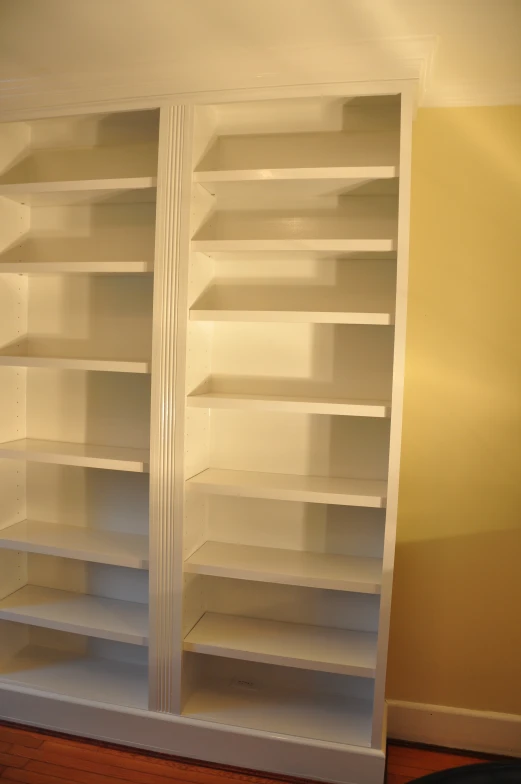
[(202, 326)]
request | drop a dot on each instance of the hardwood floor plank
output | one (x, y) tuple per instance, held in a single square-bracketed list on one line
[(399, 769), (20, 737), (87, 772), (10, 760), (424, 759), (25, 776), (180, 771), (394, 778)]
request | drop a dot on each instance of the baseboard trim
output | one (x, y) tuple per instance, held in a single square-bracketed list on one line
[(456, 728)]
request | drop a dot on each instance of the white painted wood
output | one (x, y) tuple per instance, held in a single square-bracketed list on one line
[(206, 740), (93, 616), (77, 267), (80, 191), (267, 207), (287, 644), (322, 305), (406, 118), (70, 363), (360, 223), (304, 405), (289, 487), (85, 455), (326, 717), (329, 246), (294, 525), (342, 362), (292, 316), (342, 175), (73, 541), (301, 155), (167, 459), (105, 232), (290, 567), (488, 732), (77, 676)]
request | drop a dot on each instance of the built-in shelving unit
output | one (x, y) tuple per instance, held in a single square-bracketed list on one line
[(290, 355), (202, 326), (77, 225)]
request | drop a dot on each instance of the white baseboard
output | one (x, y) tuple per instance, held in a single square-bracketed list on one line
[(457, 728)]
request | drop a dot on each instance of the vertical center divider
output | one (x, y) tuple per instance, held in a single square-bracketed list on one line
[(168, 404)]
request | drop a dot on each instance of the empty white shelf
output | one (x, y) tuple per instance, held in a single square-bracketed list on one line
[(329, 246), (77, 267), (363, 223), (302, 405), (93, 616), (82, 543), (287, 644), (291, 487), (198, 313), (364, 298), (327, 717), (78, 676), (66, 192), (289, 567), (116, 458), (70, 363), (305, 155), (337, 174)]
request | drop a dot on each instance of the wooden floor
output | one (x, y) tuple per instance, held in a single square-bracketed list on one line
[(37, 758)]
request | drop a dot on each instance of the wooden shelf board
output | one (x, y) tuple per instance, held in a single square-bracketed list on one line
[(302, 155), (79, 191), (325, 717), (306, 245), (347, 173), (287, 644), (298, 316), (288, 567), (81, 543), (291, 487), (93, 616), (86, 455), (77, 267), (70, 363), (302, 405), (77, 676)]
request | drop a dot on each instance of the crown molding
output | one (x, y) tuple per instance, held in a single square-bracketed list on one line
[(159, 83), (473, 94)]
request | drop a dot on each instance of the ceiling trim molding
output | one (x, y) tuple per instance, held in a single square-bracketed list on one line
[(471, 94), (210, 74)]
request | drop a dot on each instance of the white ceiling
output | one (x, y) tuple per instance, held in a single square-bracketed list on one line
[(465, 51)]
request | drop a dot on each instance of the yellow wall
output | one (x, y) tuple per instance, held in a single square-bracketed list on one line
[(456, 618)]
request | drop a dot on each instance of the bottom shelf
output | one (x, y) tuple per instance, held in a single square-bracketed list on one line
[(330, 718), (78, 676)]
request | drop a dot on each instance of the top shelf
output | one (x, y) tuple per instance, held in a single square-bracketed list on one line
[(299, 156), (71, 192)]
